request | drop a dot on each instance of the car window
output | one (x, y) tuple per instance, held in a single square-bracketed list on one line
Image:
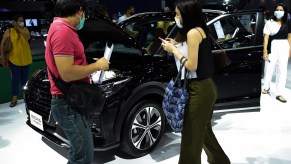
[(147, 33), (234, 31)]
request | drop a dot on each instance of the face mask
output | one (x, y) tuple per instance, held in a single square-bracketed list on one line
[(279, 14), (21, 24), (178, 22), (81, 25)]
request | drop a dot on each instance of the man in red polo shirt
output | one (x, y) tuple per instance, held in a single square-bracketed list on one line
[(66, 59)]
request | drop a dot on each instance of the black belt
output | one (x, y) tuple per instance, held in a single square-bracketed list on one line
[(58, 96)]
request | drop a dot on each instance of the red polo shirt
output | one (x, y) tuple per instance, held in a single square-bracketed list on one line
[(63, 40)]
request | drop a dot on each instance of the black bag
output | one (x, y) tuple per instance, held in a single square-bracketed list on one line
[(82, 97)]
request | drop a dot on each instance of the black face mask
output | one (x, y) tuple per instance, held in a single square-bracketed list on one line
[(131, 13)]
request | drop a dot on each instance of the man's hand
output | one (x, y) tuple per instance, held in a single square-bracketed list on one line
[(102, 64)]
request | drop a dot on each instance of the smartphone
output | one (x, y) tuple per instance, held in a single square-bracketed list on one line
[(163, 40), (268, 60)]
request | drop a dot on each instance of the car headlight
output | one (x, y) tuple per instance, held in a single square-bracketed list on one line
[(112, 87)]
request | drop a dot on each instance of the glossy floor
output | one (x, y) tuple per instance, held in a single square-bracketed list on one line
[(259, 137)]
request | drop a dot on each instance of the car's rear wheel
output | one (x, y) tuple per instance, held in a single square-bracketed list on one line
[(143, 128)]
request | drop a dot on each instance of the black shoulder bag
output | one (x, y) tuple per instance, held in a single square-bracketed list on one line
[(82, 97)]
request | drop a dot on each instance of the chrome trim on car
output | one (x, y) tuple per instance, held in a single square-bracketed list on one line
[(61, 138), (236, 109)]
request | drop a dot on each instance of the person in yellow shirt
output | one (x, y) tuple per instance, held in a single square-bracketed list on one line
[(19, 58)]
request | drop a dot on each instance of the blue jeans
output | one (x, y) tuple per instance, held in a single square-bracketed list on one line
[(19, 76), (77, 130)]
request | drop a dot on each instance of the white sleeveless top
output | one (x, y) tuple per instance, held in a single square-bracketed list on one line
[(182, 47)]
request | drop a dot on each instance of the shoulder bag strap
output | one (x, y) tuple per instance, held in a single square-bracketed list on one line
[(61, 85), (217, 44)]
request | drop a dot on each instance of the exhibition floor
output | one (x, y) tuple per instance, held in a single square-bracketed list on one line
[(257, 137)]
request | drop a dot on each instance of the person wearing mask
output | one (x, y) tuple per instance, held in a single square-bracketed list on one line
[(197, 131), (65, 57), (277, 41), (129, 11), (19, 58)]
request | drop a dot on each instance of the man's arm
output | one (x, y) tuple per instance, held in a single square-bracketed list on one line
[(71, 72)]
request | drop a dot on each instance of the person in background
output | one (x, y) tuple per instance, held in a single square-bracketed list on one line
[(129, 11), (266, 13), (165, 24), (65, 57), (102, 10), (277, 41), (197, 131), (19, 57)]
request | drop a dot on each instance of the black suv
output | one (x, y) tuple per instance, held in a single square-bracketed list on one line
[(132, 118)]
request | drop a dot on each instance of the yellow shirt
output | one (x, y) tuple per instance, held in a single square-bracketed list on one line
[(20, 54)]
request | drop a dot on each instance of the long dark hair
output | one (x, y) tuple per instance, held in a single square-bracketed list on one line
[(192, 16), (285, 17)]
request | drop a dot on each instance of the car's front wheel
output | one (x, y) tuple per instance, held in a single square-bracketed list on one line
[(143, 128)]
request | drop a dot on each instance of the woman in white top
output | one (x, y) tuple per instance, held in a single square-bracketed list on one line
[(277, 40)]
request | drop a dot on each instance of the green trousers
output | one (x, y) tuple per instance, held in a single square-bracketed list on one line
[(197, 130)]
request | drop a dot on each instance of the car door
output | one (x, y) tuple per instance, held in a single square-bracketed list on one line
[(237, 49)]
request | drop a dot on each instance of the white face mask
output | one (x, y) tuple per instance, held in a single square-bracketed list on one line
[(21, 24), (279, 14), (178, 22)]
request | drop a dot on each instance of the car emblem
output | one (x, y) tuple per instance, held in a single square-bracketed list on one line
[(36, 94)]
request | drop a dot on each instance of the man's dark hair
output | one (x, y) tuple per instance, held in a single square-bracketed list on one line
[(128, 7), (192, 16), (285, 17), (65, 8)]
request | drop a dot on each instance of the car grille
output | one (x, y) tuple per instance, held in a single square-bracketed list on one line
[(38, 97)]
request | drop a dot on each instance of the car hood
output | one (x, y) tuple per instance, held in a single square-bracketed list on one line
[(99, 29)]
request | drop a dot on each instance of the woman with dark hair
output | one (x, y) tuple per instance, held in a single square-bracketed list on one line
[(197, 130), (277, 40), (19, 58)]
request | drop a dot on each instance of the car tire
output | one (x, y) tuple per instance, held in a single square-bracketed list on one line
[(141, 135)]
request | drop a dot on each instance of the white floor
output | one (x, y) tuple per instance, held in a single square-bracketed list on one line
[(248, 138)]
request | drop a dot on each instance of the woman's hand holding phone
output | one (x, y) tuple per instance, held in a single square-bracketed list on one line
[(162, 40), (167, 44)]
